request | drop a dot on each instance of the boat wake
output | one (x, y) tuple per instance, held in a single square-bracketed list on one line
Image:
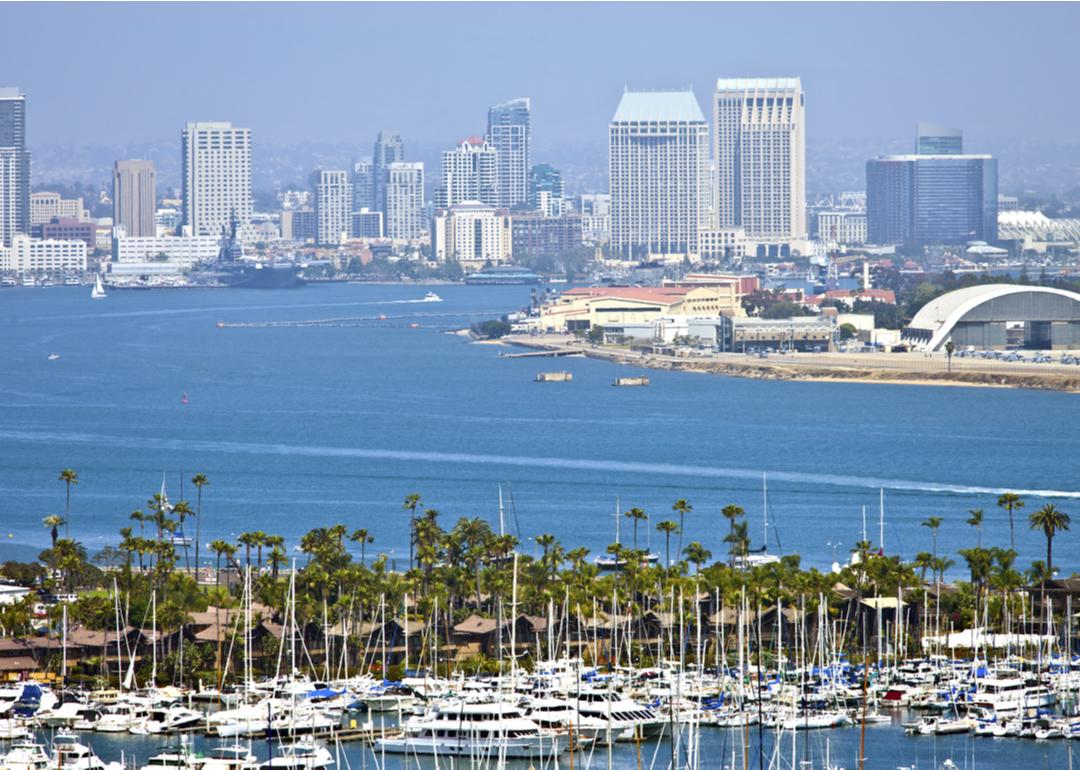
[(188, 446)]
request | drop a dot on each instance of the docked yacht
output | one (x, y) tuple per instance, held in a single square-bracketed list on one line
[(26, 755), (120, 718), (69, 753), (473, 729), (558, 716), (233, 757), (302, 755), (624, 718), (178, 757), (167, 720), (1010, 693)]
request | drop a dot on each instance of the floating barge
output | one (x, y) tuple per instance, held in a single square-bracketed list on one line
[(554, 377), (630, 382)]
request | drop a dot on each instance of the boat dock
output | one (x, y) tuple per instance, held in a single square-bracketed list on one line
[(630, 382), (554, 377), (542, 354)]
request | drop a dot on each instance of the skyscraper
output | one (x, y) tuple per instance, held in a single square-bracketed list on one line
[(546, 189), (14, 166), (404, 200), (928, 198), (470, 172), (509, 131), (388, 149), (363, 181), (333, 206), (932, 139), (134, 197), (658, 148), (216, 177), (759, 148)]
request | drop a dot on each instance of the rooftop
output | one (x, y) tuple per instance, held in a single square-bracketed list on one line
[(637, 106), (759, 84)]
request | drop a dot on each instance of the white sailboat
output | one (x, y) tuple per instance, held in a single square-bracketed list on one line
[(98, 292)]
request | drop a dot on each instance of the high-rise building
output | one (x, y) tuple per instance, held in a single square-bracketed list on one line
[(216, 178), (472, 234), (925, 199), (932, 139), (388, 149), (135, 197), (546, 190), (509, 131), (470, 172), (367, 224), (14, 166), (333, 206), (363, 182), (759, 148), (595, 210), (657, 151), (404, 200)]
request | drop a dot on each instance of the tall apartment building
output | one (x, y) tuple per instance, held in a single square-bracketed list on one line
[(470, 172), (509, 131), (932, 139), (546, 190), (216, 178), (404, 200), (333, 206), (658, 146), (595, 210), (389, 148), (472, 234), (14, 166), (363, 184), (135, 197), (759, 147)]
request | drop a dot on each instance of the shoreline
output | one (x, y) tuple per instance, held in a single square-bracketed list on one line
[(779, 369)]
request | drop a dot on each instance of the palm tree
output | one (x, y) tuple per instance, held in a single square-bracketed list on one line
[(53, 522), (276, 544), (636, 515), (697, 554), (219, 547), (682, 508), (1010, 502), (976, 520), (362, 537), (260, 541), (739, 540), (182, 511), (412, 502), (667, 527), (200, 481), (732, 514), (247, 539), (933, 523), (923, 561), (69, 477), (1050, 520)]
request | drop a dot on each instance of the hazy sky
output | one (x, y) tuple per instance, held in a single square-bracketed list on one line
[(112, 73)]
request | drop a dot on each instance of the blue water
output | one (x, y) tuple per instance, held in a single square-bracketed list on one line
[(303, 426)]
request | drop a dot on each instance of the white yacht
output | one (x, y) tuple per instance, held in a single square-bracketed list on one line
[(173, 758), (69, 753), (167, 720), (13, 730), (26, 755), (230, 758), (1009, 694), (624, 718), (432, 297), (246, 719), (302, 755), (472, 729), (555, 715), (120, 718)]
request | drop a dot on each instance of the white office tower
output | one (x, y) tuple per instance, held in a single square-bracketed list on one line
[(404, 200), (509, 132), (470, 172), (14, 166), (657, 155), (759, 147), (333, 206), (216, 169)]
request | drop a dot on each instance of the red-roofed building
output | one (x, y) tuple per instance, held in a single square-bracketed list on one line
[(849, 298), (582, 308)]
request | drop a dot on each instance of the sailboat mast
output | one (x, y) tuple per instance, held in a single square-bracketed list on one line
[(501, 532), (881, 520), (765, 511)]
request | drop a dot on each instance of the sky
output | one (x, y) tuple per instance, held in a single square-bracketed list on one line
[(131, 72)]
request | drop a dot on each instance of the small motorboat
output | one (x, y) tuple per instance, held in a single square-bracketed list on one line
[(54, 356), (184, 398), (432, 297)]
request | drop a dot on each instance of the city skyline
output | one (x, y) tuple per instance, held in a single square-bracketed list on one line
[(850, 69)]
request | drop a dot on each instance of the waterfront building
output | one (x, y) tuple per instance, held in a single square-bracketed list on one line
[(333, 206), (918, 200), (932, 139), (363, 182), (35, 255), (470, 172), (180, 251), (546, 191), (595, 210), (759, 148), (473, 234), (615, 308), (404, 200), (536, 234), (216, 178), (135, 197), (14, 166), (68, 229), (367, 224), (509, 132), (389, 148), (657, 154), (846, 228)]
